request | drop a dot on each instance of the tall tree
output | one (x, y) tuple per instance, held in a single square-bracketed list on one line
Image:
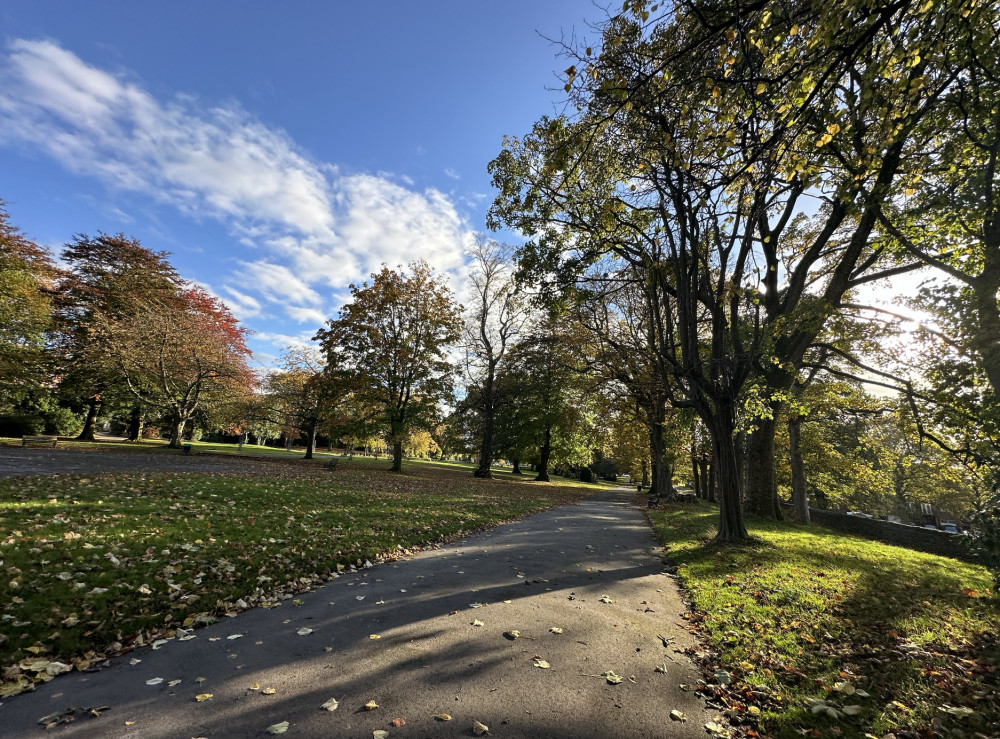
[(112, 280), (178, 355), (303, 396), (498, 313), (391, 343), (27, 280)]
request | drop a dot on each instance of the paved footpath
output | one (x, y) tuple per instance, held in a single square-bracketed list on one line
[(549, 570)]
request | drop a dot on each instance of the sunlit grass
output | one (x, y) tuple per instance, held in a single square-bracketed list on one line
[(808, 608), (90, 562)]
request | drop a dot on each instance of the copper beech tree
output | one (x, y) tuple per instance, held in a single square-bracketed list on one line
[(179, 355), (389, 346)]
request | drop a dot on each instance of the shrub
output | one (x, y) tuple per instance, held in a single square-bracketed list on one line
[(586, 475), (986, 539)]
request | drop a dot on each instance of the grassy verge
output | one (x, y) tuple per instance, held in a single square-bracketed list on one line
[(91, 565), (824, 634)]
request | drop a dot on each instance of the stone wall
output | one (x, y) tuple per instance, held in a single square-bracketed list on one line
[(911, 537)]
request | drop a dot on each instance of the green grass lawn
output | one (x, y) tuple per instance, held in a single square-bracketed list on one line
[(824, 634), (91, 565)]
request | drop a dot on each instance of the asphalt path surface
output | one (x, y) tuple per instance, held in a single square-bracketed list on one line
[(550, 570), (46, 461)]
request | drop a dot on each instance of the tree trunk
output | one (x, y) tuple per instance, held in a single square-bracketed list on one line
[(486, 449), (87, 434), (310, 439), (660, 477), (762, 492), (397, 456), (800, 501), (731, 526), (243, 440), (136, 423), (517, 467), (543, 457), (177, 433)]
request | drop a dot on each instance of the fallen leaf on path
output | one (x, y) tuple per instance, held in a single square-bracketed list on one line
[(172, 683), (479, 729), (714, 728), (374, 636), (662, 668), (678, 716), (331, 705), (380, 734), (556, 630), (605, 599), (611, 677), (202, 697), (476, 605), (268, 691), (235, 636), (397, 722), (154, 681), (371, 706), (279, 728), (538, 662), (199, 679), (477, 622), (304, 631), (512, 634), (442, 716)]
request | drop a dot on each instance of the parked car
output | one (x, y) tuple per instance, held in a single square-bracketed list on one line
[(931, 526), (950, 528)]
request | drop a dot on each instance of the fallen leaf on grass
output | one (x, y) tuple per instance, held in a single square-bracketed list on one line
[(442, 716), (676, 715), (538, 662), (851, 710), (611, 677), (371, 706), (279, 728), (479, 729), (331, 705), (723, 678)]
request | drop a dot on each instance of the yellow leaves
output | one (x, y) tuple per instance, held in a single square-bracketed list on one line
[(540, 663), (556, 630), (823, 140), (202, 697), (374, 636), (330, 705), (794, 30), (761, 88), (442, 716), (370, 706), (268, 691), (279, 728), (479, 729)]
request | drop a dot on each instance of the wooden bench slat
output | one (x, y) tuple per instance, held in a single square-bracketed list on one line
[(26, 440)]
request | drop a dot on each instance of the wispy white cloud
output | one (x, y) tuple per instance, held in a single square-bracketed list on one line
[(452, 173), (320, 229)]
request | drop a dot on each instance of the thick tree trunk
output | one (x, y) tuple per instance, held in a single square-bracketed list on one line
[(486, 449), (762, 492), (731, 526), (800, 501), (543, 457), (517, 467), (310, 440), (397, 456), (87, 434), (136, 423), (177, 433)]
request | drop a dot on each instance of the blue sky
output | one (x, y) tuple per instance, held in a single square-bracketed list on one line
[(279, 151)]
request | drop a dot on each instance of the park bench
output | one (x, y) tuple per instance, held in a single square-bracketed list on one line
[(36, 440), (331, 464)]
